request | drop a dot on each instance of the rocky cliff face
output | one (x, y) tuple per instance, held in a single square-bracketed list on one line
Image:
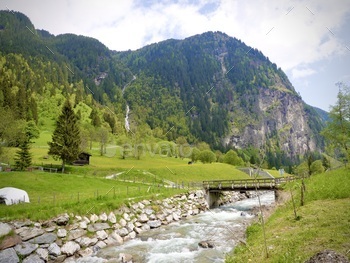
[(282, 120)]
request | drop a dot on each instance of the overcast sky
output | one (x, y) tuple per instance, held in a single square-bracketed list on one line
[(309, 40)]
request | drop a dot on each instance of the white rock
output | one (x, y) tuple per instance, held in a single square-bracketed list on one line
[(146, 202), (169, 218), (149, 211), (78, 218), (122, 222), (101, 244), (143, 218), (125, 258), (83, 225), (118, 238), (126, 217), (86, 241), (86, 220), (117, 226), (93, 218), (61, 232), (132, 235), (70, 248), (43, 253), (74, 234), (145, 227), (135, 206), (110, 241), (138, 230), (122, 232), (190, 197), (103, 217), (54, 250), (141, 205), (176, 217), (86, 253), (101, 235), (130, 226), (138, 224), (112, 218), (154, 223)]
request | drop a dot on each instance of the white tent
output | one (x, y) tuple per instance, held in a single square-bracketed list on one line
[(14, 195)]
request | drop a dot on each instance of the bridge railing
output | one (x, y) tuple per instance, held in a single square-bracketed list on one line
[(247, 183)]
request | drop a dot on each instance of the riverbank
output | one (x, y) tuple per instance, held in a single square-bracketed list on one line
[(68, 236), (321, 224)]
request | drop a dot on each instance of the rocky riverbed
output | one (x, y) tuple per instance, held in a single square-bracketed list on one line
[(69, 237)]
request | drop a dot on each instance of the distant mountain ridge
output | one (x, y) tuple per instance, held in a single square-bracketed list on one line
[(209, 87)]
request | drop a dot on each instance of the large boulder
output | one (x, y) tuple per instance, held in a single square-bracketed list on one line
[(154, 223), (10, 241), (5, 229), (70, 248), (8, 256), (34, 258), (13, 195), (46, 238), (25, 248)]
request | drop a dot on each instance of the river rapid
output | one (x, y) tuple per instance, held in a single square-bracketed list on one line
[(178, 242)]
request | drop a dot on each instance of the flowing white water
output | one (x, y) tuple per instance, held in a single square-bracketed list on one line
[(127, 124), (178, 242)]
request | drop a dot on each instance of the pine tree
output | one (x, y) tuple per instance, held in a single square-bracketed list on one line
[(66, 137), (23, 157)]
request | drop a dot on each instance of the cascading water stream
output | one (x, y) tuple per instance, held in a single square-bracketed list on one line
[(126, 119), (178, 242), (127, 125)]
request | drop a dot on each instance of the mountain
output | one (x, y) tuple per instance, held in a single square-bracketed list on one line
[(230, 94), (209, 87)]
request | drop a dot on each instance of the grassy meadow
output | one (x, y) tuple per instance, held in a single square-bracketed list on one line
[(322, 223), (85, 189)]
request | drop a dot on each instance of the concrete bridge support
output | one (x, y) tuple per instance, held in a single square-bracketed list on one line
[(212, 198), (278, 195)]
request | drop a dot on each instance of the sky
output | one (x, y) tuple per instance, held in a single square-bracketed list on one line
[(309, 40)]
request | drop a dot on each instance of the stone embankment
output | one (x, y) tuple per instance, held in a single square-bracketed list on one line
[(69, 237)]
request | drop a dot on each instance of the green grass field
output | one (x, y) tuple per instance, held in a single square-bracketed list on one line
[(85, 188), (322, 223), (54, 193)]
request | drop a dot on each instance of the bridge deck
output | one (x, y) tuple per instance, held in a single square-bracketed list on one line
[(245, 184)]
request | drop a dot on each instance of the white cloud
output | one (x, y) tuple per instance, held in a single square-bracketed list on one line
[(298, 38), (302, 73)]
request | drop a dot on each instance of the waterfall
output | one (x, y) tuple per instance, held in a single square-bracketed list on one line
[(127, 125)]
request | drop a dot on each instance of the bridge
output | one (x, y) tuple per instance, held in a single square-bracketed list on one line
[(214, 187), (246, 184)]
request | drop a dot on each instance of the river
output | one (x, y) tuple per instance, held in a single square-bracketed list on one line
[(178, 242)]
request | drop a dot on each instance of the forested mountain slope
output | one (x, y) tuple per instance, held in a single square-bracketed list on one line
[(209, 87)]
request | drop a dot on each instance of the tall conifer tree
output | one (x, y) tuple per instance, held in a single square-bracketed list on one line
[(66, 137)]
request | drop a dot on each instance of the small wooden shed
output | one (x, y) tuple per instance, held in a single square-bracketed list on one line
[(83, 159)]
